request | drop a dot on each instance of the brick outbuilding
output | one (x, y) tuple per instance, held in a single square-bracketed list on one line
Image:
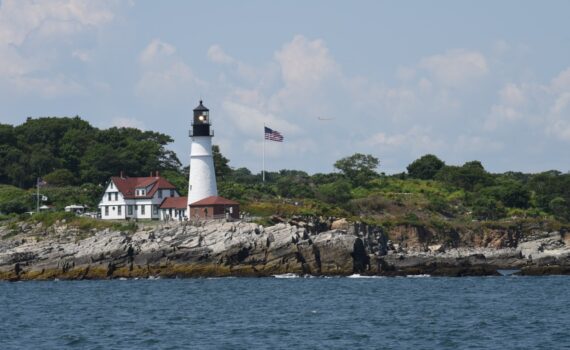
[(214, 207)]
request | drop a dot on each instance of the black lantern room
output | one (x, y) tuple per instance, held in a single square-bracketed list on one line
[(201, 122)]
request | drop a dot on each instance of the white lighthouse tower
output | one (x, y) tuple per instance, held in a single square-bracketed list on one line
[(202, 182)]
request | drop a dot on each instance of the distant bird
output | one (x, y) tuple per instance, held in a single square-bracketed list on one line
[(323, 118)]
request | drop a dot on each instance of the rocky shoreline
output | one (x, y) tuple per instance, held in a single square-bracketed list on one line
[(219, 248)]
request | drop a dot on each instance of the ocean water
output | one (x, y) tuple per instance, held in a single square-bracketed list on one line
[(288, 313)]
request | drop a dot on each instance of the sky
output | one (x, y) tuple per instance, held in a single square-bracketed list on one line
[(464, 80)]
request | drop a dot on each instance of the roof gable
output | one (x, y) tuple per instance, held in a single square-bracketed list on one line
[(128, 185), (174, 203)]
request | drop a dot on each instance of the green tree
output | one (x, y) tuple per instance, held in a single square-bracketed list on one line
[(335, 193), (470, 176), (178, 179), (221, 166), (294, 184), (425, 167), (243, 176), (512, 194), (358, 168), (486, 208), (559, 207), (232, 190), (60, 177)]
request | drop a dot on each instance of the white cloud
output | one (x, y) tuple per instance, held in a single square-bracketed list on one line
[(42, 27), (543, 106), (561, 82), (512, 95), (164, 75), (559, 129), (156, 50), (305, 63), (81, 55), (456, 68), (250, 120), (561, 104), (19, 19), (422, 112), (416, 141), (512, 99), (382, 139), (216, 54)]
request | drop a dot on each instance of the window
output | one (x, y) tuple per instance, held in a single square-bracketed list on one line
[(142, 209), (159, 193), (155, 209), (130, 210), (119, 210), (109, 196), (171, 193), (116, 196), (106, 211), (111, 185)]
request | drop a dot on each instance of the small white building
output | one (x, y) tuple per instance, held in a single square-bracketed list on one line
[(75, 208), (135, 197), (174, 208)]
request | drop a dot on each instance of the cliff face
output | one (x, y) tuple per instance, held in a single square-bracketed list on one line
[(247, 249)]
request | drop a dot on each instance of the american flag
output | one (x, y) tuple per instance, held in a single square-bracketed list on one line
[(41, 182), (273, 135)]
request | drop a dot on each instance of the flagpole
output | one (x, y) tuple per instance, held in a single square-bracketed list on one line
[(38, 195), (263, 167)]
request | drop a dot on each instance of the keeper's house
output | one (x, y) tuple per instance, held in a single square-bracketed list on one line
[(136, 197)]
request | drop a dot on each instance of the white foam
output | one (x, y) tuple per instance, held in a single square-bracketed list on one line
[(356, 275), (287, 275), (418, 276)]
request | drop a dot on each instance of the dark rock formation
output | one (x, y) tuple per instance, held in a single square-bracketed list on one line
[(247, 249)]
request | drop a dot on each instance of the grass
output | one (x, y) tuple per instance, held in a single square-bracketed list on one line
[(85, 224), (8, 193)]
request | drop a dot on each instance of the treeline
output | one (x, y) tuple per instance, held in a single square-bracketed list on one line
[(428, 185), (75, 158), (70, 151)]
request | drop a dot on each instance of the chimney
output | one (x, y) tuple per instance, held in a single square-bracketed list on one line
[(151, 173), (121, 175), (157, 174)]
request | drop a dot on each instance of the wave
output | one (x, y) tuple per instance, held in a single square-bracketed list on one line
[(418, 276), (287, 275), (356, 275)]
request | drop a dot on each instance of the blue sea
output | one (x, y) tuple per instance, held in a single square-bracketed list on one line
[(288, 313)]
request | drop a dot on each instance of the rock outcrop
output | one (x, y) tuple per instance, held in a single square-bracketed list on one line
[(220, 248)]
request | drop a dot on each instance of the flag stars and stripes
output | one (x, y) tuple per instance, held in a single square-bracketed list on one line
[(273, 135)]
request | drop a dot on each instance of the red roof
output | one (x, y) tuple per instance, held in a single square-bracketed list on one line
[(213, 200), (127, 185), (174, 203)]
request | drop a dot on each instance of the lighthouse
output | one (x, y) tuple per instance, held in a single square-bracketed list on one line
[(202, 182)]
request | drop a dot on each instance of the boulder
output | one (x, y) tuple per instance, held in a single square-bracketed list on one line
[(341, 224)]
